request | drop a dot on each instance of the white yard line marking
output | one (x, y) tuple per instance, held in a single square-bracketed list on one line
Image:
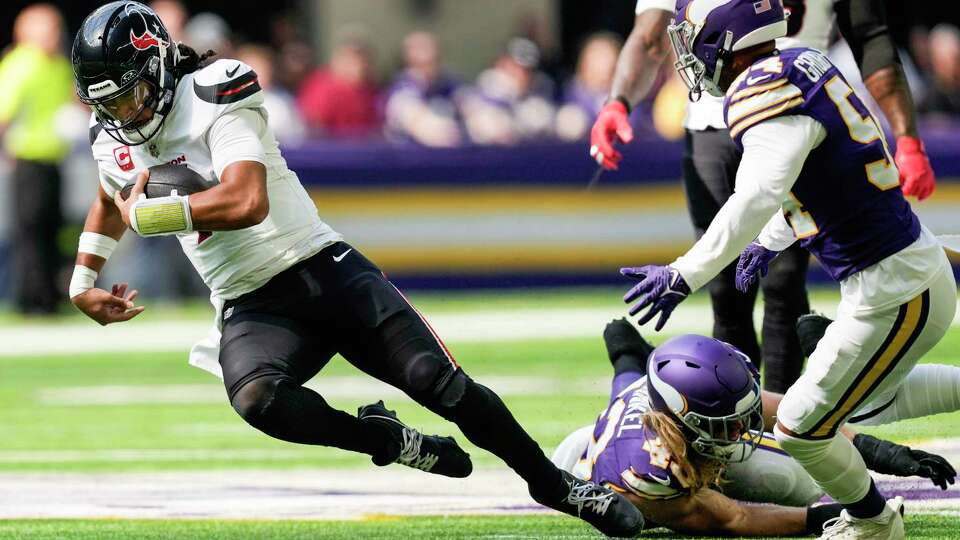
[(454, 327), (367, 493), (333, 386)]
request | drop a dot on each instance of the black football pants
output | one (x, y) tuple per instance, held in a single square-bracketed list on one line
[(709, 171), (279, 336)]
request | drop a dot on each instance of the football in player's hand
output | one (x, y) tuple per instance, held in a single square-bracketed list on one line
[(166, 178)]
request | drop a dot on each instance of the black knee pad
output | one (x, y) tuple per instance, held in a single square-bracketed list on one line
[(253, 399), (421, 372), (451, 387)]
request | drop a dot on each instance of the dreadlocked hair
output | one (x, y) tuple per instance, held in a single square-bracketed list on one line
[(190, 60), (696, 470)]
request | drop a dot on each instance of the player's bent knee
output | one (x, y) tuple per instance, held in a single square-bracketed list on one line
[(421, 372), (799, 448), (253, 399)]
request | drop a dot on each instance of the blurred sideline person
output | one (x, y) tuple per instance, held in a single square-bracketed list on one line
[(285, 119), (711, 159), (816, 169), (209, 32), (35, 86), (944, 95), (511, 101), (683, 474), (289, 292), (585, 94), (423, 102), (341, 100)]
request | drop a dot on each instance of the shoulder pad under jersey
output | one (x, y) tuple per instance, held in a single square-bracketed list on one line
[(227, 83), (775, 86)]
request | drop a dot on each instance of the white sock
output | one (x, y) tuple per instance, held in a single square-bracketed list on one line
[(834, 464)]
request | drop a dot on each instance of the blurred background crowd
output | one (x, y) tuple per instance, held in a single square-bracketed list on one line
[(447, 75)]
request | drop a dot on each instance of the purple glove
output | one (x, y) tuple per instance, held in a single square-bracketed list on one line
[(660, 287), (753, 265)]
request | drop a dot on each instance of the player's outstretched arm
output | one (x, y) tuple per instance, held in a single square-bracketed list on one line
[(709, 512), (103, 228), (641, 56), (863, 23), (637, 68)]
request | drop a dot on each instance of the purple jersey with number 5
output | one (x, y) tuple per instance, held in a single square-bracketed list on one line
[(628, 456), (846, 206)]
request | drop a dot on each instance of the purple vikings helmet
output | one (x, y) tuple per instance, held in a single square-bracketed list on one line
[(705, 33), (712, 391)]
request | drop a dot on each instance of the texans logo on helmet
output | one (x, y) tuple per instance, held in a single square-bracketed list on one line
[(147, 39), (144, 42)]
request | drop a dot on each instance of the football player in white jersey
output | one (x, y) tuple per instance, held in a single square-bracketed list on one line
[(289, 292), (711, 158)]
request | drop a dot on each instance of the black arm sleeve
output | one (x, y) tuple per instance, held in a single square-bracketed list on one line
[(863, 23)]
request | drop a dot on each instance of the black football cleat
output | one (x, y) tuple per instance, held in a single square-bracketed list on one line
[(622, 338), (428, 453), (810, 330), (608, 511)]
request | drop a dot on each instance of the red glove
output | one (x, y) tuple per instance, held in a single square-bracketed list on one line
[(916, 174), (612, 124)]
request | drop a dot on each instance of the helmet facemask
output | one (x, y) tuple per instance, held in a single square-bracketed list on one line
[(728, 439), (692, 70)]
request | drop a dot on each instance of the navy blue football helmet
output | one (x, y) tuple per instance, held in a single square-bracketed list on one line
[(123, 65)]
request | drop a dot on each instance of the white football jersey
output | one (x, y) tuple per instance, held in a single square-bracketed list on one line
[(209, 104), (815, 32)]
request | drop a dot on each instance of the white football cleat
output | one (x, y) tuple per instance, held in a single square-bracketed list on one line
[(887, 526)]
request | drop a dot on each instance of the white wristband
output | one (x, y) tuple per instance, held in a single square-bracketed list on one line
[(96, 244), (161, 216), (82, 280)]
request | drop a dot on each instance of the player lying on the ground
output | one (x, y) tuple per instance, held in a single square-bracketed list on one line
[(289, 292), (682, 479), (816, 168)]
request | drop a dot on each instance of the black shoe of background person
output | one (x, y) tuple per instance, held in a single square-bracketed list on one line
[(622, 338), (428, 453), (608, 511), (810, 330)]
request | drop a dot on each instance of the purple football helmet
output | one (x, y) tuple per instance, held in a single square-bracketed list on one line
[(712, 390), (705, 33)]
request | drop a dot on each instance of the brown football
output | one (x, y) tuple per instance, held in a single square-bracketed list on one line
[(166, 178)]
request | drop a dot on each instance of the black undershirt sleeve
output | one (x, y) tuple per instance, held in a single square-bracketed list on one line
[(863, 23)]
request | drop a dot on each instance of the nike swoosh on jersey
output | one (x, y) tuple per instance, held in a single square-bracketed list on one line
[(338, 258), (664, 481), (232, 72), (754, 80)]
